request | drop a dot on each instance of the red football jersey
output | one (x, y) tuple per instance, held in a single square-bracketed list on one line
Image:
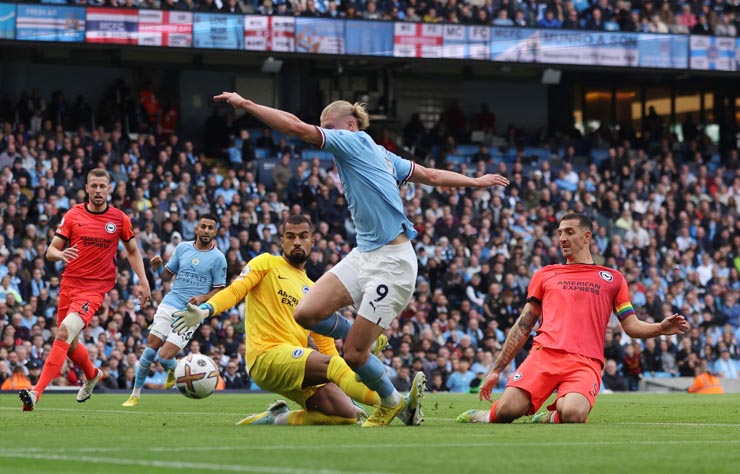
[(96, 236), (577, 301)]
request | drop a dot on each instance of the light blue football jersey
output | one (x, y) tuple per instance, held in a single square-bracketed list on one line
[(371, 177), (196, 273)]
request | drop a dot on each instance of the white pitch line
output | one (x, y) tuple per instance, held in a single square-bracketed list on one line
[(186, 413), (633, 423), (320, 447), (131, 412), (208, 467)]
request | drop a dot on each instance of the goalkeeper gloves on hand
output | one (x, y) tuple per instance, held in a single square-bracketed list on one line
[(190, 318)]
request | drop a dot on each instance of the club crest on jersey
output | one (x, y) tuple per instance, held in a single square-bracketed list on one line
[(606, 276), (195, 261), (305, 289), (517, 376), (297, 353), (245, 272), (110, 227)]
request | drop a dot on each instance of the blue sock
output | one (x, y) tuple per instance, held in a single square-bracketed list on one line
[(145, 363), (168, 364), (373, 375), (335, 326)]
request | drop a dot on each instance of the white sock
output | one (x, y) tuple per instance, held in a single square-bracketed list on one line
[(136, 392), (391, 400), (282, 419)]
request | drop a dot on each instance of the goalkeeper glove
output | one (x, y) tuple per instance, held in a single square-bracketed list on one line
[(190, 318)]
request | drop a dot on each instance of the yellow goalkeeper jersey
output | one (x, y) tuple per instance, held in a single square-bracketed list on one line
[(272, 288)]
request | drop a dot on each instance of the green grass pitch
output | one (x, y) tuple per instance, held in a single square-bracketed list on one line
[(626, 433)]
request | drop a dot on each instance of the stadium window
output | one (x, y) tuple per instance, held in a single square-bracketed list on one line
[(660, 99), (598, 108), (578, 109), (709, 108), (629, 108), (688, 103)]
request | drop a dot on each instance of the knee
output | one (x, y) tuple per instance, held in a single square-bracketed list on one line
[(302, 316), (62, 333), (508, 410), (573, 415), (354, 358)]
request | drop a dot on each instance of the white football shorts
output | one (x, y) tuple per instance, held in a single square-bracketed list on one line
[(162, 327), (380, 282)]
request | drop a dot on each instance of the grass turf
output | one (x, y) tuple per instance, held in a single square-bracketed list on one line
[(626, 433)]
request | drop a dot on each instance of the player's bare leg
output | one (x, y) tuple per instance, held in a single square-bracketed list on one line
[(570, 408), (319, 305)]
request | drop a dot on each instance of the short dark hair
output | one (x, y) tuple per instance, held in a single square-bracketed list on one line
[(209, 216), (295, 219), (583, 221)]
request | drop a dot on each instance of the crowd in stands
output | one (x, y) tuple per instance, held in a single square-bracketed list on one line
[(665, 212), (701, 17)]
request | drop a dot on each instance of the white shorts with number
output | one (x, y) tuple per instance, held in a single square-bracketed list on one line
[(162, 327), (381, 282)]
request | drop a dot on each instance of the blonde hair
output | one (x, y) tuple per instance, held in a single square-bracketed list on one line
[(344, 108)]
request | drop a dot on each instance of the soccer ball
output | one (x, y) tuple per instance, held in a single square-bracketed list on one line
[(196, 376)]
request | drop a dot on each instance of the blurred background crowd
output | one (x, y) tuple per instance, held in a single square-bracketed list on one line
[(665, 212)]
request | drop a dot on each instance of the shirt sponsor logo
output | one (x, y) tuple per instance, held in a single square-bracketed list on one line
[(606, 276), (110, 227)]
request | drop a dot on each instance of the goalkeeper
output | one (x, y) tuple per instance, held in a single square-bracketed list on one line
[(278, 355)]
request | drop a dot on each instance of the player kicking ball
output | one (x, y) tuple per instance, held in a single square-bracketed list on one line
[(280, 353), (199, 270)]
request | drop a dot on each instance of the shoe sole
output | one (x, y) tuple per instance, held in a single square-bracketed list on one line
[(97, 379), (27, 400), (420, 385)]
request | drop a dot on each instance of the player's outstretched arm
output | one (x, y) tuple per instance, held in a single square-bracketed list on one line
[(674, 324), (435, 177), (276, 119), (516, 339)]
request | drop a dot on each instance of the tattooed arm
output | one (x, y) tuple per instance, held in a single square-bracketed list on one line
[(516, 339)]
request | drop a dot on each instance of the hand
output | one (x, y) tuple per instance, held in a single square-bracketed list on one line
[(231, 98), (188, 319), (674, 324), (488, 384), (156, 261), (143, 293), (488, 180), (198, 300), (69, 254)]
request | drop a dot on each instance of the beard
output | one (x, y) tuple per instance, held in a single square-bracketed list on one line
[(297, 258)]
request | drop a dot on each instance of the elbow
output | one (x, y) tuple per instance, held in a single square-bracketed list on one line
[(432, 177)]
